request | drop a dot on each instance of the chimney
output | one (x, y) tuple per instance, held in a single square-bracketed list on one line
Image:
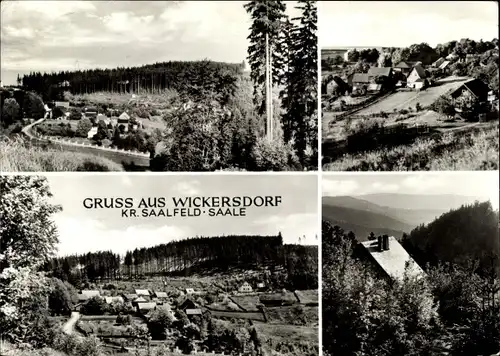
[(380, 247), (386, 242)]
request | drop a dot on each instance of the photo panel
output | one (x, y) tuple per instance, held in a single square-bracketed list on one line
[(409, 86), (410, 264), (159, 265), (159, 86)]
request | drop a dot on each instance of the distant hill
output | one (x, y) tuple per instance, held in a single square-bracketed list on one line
[(388, 213), (362, 222), (443, 202), (409, 216)]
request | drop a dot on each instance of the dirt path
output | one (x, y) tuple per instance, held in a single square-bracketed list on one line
[(70, 324)]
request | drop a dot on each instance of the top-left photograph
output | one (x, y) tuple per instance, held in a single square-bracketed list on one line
[(159, 86)]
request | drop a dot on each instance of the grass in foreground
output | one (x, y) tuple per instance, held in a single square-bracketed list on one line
[(473, 150), (16, 156)]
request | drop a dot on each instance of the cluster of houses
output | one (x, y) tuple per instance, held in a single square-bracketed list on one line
[(404, 74), (144, 300), (92, 113)]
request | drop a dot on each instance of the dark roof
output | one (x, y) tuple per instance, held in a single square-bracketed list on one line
[(438, 62), (193, 311), (420, 71), (477, 87), (375, 71), (405, 64), (360, 78)]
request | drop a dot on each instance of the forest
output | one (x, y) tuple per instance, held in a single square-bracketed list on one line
[(455, 310), (192, 255), (195, 80)]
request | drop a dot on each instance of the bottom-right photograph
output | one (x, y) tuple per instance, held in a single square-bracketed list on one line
[(411, 264)]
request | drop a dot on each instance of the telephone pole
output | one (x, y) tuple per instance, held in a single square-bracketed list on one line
[(269, 113)]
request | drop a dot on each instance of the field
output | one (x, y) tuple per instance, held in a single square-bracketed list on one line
[(293, 315), (474, 147), (292, 340), (15, 156), (404, 100), (247, 302), (307, 296)]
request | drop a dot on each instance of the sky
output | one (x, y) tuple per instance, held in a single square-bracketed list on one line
[(86, 230), (484, 185), (401, 24), (66, 35)]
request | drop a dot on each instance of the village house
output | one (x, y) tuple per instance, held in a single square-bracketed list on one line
[(90, 113), (62, 104), (189, 291), (417, 78), (445, 67), (245, 288), (438, 62), (160, 295), (360, 81), (144, 308), (404, 67), (476, 87), (142, 292), (88, 294), (375, 72), (92, 132), (390, 259), (261, 285)]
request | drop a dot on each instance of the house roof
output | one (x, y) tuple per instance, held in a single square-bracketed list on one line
[(161, 294), (124, 116), (374, 87), (405, 64), (91, 293), (477, 86), (64, 104), (360, 78), (438, 62), (394, 260), (193, 311), (444, 64), (375, 71), (141, 292), (146, 306), (140, 300)]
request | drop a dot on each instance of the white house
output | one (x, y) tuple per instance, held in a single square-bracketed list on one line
[(142, 292), (92, 132), (416, 78), (245, 288)]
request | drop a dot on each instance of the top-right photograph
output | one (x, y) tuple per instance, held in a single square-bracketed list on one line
[(409, 86)]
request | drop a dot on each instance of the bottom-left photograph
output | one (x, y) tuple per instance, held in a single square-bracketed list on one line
[(129, 264)]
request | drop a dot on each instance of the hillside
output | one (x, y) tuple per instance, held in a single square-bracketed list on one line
[(410, 216), (362, 222), (443, 202)]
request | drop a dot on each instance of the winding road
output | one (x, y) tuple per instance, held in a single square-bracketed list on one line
[(120, 157)]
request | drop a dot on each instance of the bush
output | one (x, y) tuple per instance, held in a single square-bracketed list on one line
[(95, 306), (11, 112), (272, 156), (33, 106), (84, 126)]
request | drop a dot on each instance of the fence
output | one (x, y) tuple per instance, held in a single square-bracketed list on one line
[(69, 142)]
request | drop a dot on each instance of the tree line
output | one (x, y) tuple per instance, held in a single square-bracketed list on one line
[(188, 256), (191, 78)]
